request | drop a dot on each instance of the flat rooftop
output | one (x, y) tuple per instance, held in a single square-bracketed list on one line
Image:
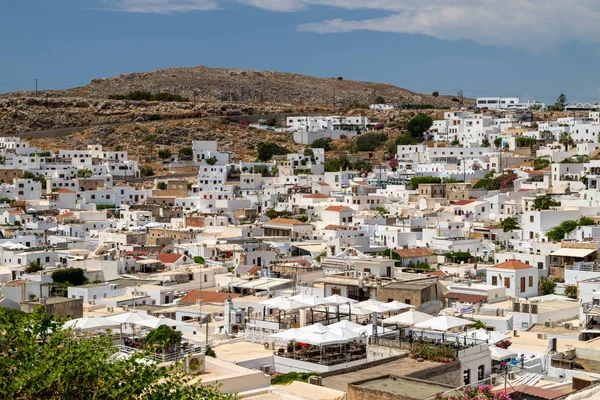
[(399, 386), (241, 351), (403, 366)]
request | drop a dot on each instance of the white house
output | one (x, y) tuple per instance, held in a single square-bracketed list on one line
[(519, 279)]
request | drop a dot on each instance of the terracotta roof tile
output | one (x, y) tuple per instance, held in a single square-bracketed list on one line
[(63, 190), (167, 258), (417, 252), (337, 208), (512, 264), (463, 202), (285, 221), (206, 297), (316, 196)]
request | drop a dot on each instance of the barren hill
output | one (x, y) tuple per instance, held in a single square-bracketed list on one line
[(235, 85)]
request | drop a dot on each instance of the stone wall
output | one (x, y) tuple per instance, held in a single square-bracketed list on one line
[(358, 392), (446, 374)]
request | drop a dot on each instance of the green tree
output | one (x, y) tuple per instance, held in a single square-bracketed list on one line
[(498, 142), (33, 267), (540, 163), (84, 173), (161, 186), (186, 153), (199, 260), (404, 140), (415, 181), (479, 324), (272, 214), (571, 291), (321, 143), (370, 141), (485, 143), (548, 285), (566, 140), (164, 154), (74, 276), (435, 94), (509, 224), (544, 203), (266, 151), (146, 171), (379, 100), (558, 233), (418, 125), (164, 339), (42, 361), (335, 164), (211, 160)]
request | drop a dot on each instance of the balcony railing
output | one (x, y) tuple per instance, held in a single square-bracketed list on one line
[(583, 266)]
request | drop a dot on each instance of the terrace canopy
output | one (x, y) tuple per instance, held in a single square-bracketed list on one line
[(409, 318), (499, 354), (284, 304), (90, 323), (443, 323)]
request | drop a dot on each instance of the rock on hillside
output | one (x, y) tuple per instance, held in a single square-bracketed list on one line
[(235, 85)]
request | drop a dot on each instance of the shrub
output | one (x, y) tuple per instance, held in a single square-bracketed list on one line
[(146, 171), (266, 151), (370, 141), (415, 181), (199, 260), (548, 285), (186, 153), (321, 144), (164, 154), (161, 185), (74, 276), (154, 117), (379, 100), (34, 266), (379, 126), (435, 94), (418, 125)]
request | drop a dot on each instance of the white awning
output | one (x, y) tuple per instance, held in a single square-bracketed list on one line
[(577, 253)]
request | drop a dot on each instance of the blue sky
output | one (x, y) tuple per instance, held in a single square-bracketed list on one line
[(527, 48)]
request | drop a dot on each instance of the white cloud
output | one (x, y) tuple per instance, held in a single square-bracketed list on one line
[(161, 6), (276, 5), (527, 24)]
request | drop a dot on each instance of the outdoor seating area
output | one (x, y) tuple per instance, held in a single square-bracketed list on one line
[(324, 355)]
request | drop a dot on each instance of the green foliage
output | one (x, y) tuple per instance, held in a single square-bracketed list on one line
[(504, 181), (302, 171), (435, 94), (455, 142), (558, 232), (154, 117), (509, 224), (74, 276), (566, 140), (576, 159), (164, 339), (290, 377), (321, 144), (522, 141), (42, 361), (302, 218), (41, 179), (335, 164), (451, 180), (460, 256), (199, 260), (418, 125), (43, 154), (139, 95), (548, 285), (33, 267), (479, 324), (381, 210), (571, 291), (484, 183), (266, 151), (498, 142), (186, 153), (379, 100), (272, 214), (485, 143), (370, 141), (161, 186), (415, 181), (84, 173), (146, 171), (540, 163), (210, 352), (164, 154), (211, 161), (544, 202), (404, 140), (362, 166), (559, 104)]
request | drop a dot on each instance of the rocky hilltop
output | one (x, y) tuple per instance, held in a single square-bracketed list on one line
[(235, 85)]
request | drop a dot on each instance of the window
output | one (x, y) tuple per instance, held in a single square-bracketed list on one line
[(531, 281), (480, 372), (531, 218), (407, 301), (335, 291), (523, 285), (494, 281), (540, 265)]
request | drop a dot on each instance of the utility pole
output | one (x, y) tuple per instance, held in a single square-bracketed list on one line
[(36, 87)]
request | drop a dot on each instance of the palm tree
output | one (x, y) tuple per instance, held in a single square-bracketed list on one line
[(566, 140)]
